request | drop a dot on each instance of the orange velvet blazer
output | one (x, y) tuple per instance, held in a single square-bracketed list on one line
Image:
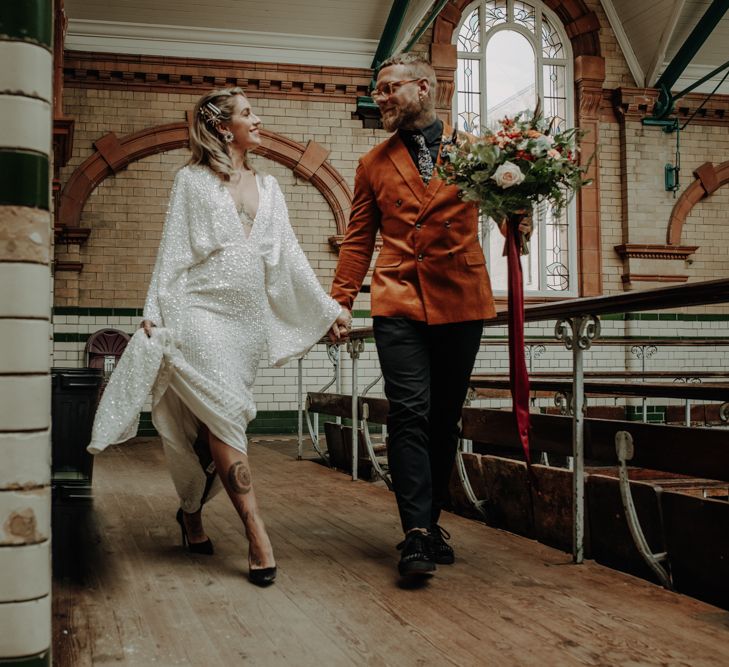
[(431, 267)]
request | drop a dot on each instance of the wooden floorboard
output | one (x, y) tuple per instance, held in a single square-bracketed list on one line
[(125, 593)]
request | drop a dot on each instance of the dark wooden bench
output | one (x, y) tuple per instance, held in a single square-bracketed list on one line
[(338, 436), (670, 467)]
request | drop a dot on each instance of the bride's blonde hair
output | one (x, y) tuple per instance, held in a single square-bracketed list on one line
[(206, 143)]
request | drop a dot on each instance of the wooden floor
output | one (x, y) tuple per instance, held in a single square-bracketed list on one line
[(125, 593)]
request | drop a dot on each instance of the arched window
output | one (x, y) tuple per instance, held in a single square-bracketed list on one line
[(511, 53)]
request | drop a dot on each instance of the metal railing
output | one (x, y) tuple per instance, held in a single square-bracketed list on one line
[(578, 327)]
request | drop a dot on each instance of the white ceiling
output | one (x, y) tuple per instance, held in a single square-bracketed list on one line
[(345, 33), (342, 33), (651, 32)]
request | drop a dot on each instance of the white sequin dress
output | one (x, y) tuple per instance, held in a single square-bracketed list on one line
[(222, 297)]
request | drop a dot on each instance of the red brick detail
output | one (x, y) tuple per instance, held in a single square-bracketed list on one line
[(163, 138), (708, 180), (655, 251), (196, 75), (71, 267), (112, 152), (636, 103), (311, 159), (652, 278), (706, 173), (584, 24)]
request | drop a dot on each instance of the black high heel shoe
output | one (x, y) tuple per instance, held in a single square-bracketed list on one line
[(205, 547), (263, 577)]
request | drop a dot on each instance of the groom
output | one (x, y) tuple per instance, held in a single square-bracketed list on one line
[(430, 293)]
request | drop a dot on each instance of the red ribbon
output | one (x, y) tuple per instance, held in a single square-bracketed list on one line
[(518, 375)]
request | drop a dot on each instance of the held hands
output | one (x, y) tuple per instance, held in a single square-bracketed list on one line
[(341, 327), (147, 326)]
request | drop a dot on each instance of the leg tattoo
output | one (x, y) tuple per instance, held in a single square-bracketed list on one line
[(239, 478)]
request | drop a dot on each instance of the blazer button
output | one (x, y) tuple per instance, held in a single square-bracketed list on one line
[(418, 225), (420, 257), (398, 202), (450, 253), (447, 224)]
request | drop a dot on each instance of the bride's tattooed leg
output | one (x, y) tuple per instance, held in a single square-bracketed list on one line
[(239, 477)]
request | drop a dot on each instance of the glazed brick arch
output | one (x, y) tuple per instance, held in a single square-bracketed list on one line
[(126, 213)]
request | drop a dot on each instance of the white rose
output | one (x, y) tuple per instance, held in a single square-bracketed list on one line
[(508, 174), (542, 145)]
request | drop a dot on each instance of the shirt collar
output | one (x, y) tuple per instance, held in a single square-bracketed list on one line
[(432, 133)]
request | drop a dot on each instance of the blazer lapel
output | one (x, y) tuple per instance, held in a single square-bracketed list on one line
[(400, 157), (435, 183)]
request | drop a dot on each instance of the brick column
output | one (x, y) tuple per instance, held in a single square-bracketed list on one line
[(25, 387), (589, 78), (444, 58)]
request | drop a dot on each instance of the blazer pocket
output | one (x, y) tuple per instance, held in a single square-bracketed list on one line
[(385, 260), (474, 259)]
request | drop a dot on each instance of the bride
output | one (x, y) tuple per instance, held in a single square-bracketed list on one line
[(230, 282)]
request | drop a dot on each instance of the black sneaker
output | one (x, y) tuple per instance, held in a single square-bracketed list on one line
[(442, 553), (415, 559)]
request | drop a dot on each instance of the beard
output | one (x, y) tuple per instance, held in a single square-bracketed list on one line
[(403, 115)]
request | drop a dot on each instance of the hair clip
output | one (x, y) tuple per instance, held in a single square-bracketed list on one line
[(210, 113)]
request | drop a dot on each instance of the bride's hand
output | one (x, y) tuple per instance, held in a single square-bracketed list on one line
[(147, 326), (340, 328)]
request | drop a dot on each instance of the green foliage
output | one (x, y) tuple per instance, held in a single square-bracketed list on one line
[(516, 167)]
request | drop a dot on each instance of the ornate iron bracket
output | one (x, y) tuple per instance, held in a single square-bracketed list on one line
[(625, 450)]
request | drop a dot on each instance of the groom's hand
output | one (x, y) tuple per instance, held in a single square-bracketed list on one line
[(342, 325), (526, 226)]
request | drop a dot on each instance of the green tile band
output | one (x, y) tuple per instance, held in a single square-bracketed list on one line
[(25, 179), (27, 20), (40, 660)]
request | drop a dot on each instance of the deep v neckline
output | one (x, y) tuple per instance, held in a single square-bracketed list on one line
[(243, 211)]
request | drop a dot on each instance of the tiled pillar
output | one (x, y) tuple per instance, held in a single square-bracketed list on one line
[(25, 388), (589, 78)]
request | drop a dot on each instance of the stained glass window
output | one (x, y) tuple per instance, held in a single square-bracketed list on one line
[(469, 97), (525, 15), (494, 13), (468, 36), (512, 53)]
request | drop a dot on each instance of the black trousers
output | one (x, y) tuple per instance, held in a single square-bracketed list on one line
[(426, 370)]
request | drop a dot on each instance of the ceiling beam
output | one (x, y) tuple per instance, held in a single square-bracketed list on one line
[(390, 32), (693, 43), (617, 25), (660, 56)]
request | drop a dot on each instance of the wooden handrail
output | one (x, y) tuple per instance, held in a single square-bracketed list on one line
[(692, 294), (714, 391)]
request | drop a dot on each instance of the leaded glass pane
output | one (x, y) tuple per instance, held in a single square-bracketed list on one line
[(494, 250), (557, 247), (510, 86), (524, 15), (494, 13), (468, 37), (552, 46), (468, 79), (555, 95), (510, 75)]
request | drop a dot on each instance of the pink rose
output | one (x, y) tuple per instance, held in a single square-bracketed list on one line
[(508, 175)]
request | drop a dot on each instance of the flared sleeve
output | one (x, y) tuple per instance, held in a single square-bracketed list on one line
[(300, 312), (174, 257)]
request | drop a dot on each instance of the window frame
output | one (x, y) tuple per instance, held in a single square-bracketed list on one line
[(540, 61)]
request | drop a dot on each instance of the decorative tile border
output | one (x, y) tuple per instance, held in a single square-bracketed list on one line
[(196, 75)]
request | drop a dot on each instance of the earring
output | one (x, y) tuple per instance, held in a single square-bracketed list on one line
[(227, 136)]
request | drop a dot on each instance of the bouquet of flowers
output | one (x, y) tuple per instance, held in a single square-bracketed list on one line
[(519, 165), (507, 172)]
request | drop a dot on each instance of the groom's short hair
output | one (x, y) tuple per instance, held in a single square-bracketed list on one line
[(416, 64)]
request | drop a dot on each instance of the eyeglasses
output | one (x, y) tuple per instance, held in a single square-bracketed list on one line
[(389, 88)]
